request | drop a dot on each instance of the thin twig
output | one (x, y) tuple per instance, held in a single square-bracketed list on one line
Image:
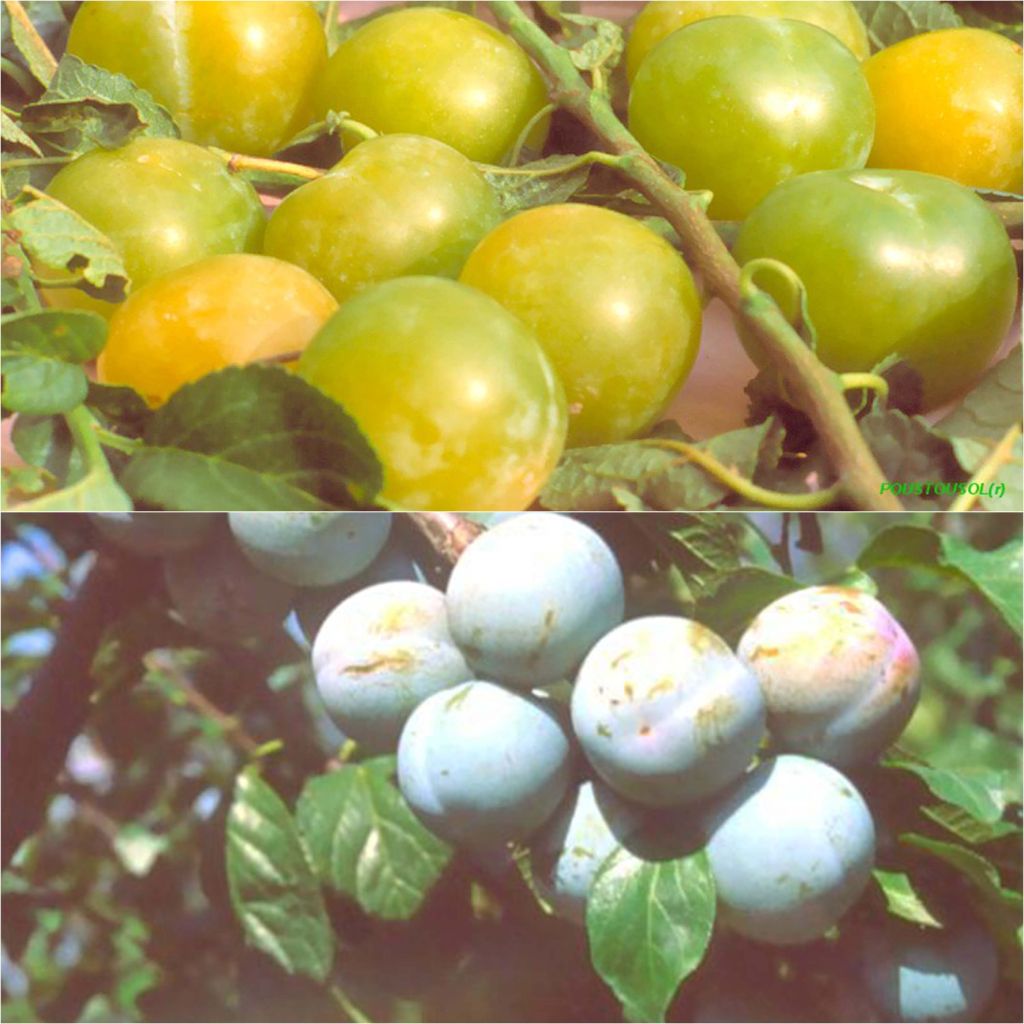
[(987, 471)]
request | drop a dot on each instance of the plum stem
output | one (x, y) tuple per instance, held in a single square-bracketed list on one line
[(449, 533), (816, 389)]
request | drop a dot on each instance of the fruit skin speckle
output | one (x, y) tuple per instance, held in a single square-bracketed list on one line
[(791, 847), (665, 712), (839, 675)]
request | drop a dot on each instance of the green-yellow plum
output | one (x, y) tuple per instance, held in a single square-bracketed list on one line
[(163, 203), (236, 75), (454, 393), (614, 306), (661, 19), (396, 205), (894, 263), (742, 104), (440, 73)]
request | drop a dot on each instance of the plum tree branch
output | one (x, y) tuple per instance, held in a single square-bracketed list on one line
[(39, 731), (810, 385)]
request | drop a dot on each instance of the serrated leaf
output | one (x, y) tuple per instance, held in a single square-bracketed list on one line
[(555, 179), (11, 132), (902, 899), (978, 791), (649, 924), (251, 438), (30, 46), (42, 356), (587, 479), (87, 106), (274, 892), (54, 236), (995, 574), (890, 21), (366, 842)]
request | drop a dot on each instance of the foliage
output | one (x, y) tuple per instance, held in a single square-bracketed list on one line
[(211, 841)]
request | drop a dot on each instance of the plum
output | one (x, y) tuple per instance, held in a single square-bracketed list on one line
[(791, 847), (591, 823), (665, 712), (481, 765), (221, 594), (380, 653), (920, 974), (529, 597), (314, 604), (154, 533), (838, 673), (311, 549)]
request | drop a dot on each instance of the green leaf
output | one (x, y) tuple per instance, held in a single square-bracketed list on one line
[(138, 849), (995, 574), (902, 899), (54, 236), (120, 407), (977, 791), (97, 491), (592, 42), (86, 106), (889, 21), (365, 841), (586, 479), (274, 892), (649, 924), (11, 132), (37, 58), (42, 353), (986, 15), (967, 827), (555, 179), (254, 437), (45, 441)]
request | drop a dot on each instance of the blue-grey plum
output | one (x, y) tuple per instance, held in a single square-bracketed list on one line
[(923, 974), (529, 598), (314, 604), (591, 823), (154, 533), (311, 549), (665, 712), (791, 847), (480, 764), (838, 673), (379, 654), (221, 594)]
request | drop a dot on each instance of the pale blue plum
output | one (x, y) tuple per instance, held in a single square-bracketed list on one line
[(314, 604), (928, 974), (311, 549), (481, 765), (380, 653), (665, 712), (221, 594), (791, 847), (154, 533), (839, 675), (530, 596), (589, 826)]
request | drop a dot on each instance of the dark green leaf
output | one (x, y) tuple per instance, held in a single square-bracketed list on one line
[(730, 603), (995, 574), (274, 892), (121, 407), (586, 478), (365, 841), (649, 924), (86, 106), (889, 21), (46, 441), (1004, 18), (902, 900), (56, 237), (42, 353), (254, 437)]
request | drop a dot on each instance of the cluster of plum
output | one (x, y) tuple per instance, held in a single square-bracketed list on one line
[(592, 320), (661, 734)]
